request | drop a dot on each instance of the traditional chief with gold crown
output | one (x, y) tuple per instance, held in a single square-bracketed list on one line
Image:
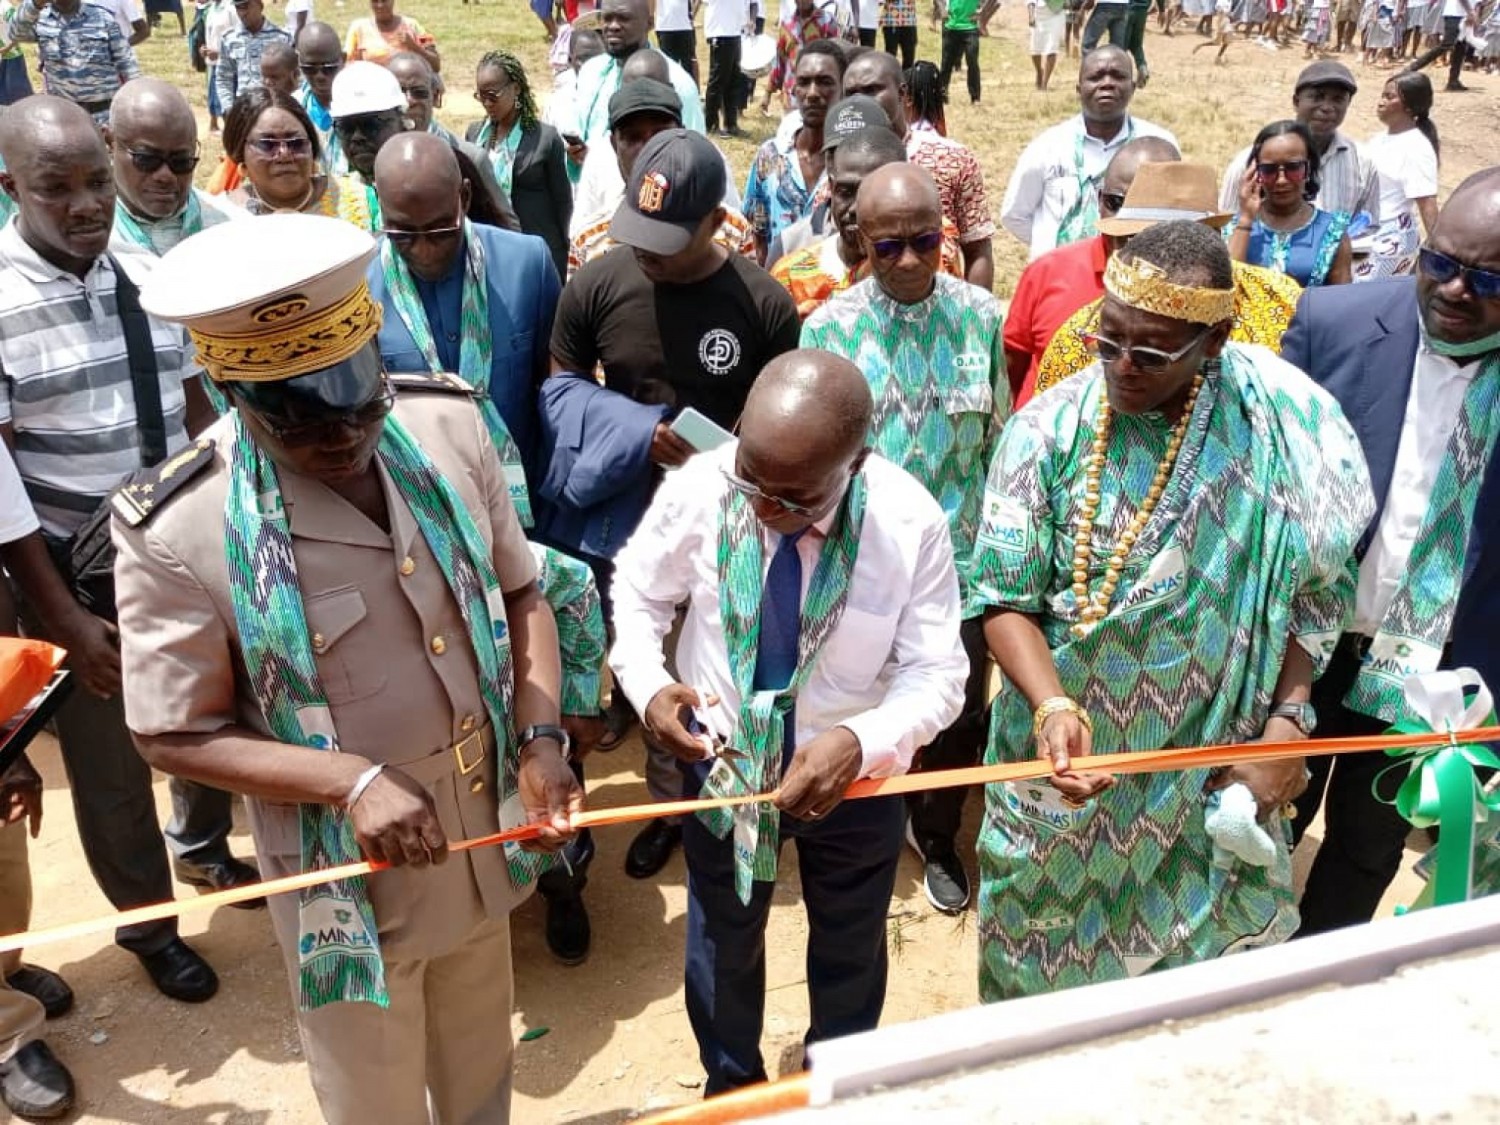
[(328, 605), (1166, 556)]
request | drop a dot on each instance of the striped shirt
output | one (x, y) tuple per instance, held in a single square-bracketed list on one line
[(65, 383), (1347, 180), (85, 57)]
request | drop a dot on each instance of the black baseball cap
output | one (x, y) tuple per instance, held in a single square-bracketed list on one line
[(1327, 72), (644, 95), (851, 115), (678, 180)]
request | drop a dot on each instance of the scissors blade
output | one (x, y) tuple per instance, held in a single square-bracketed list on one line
[(731, 757)]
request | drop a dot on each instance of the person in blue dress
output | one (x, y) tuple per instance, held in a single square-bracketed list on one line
[(1278, 226)]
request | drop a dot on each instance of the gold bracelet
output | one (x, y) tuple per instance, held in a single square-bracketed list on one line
[(1053, 706)]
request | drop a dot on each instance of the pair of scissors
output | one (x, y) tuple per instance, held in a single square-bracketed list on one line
[(715, 749)]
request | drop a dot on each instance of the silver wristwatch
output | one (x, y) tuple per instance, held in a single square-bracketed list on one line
[(1300, 713), (548, 731)]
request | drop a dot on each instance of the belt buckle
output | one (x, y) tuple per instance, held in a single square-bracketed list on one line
[(475, 740)]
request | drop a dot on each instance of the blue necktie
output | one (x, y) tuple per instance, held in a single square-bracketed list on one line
[(780, 625)]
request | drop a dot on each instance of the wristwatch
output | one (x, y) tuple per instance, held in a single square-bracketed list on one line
[(547, 730), (1300, 713)]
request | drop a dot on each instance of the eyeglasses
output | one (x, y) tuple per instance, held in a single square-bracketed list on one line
[(1484, 284), (310, 69), (889, 249), (490, 97), (417, 93), (1142, 359), (147, 161), (752, 492), (326, 429), (1295, 171), (272, 147), (405, 238), (368, 124), (1111, 201)]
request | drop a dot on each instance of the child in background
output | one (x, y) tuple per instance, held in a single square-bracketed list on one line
[(1315, 29)]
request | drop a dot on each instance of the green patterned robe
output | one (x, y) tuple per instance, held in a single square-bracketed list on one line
[(937, 373), (1251, 544), (568, 586)]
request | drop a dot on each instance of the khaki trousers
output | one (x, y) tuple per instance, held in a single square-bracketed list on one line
[(20, 1015)]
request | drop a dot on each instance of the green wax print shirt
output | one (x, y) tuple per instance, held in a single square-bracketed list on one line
[(937, 373)]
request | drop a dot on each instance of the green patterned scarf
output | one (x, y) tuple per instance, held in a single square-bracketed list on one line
[(502, 156), (1415, 629), (128, 225), (474, 356), (760, 731), (338, 948)]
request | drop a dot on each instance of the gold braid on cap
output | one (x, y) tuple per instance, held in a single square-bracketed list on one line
[(1144, 286), (289, 345)]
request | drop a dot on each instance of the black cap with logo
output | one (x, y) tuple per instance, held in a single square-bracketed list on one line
[(677, 181), (851, 115), (644, 95)]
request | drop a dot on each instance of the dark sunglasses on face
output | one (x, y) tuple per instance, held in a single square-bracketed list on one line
[(1434, 264), (1142, 359), (889, 249), (327, 429), (405, 238), (147, 161), (272, 147), (752, 492), (1295, 171), (310, 69), (490, 97), (367, 124), (417, 93), (1111, 201)]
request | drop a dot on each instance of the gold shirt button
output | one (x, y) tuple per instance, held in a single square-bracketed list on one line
[(467, 725), (319, 642), (477, 785), (408, 566), (439, 646)]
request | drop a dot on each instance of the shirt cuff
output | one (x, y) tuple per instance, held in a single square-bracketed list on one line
[(878, 756), (581, 693), (642, 683)]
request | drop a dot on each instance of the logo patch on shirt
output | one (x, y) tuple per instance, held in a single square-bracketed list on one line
[(1163, 580), (1006, 525), (971, 361), (719, 351)]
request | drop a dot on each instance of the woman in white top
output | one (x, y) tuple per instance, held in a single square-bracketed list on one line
[(1406, 156)]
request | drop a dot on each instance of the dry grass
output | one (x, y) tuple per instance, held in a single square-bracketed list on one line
[(1212, 110)]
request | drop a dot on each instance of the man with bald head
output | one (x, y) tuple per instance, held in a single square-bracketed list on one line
[(929, 345), (153, 142), (624, 26), (820, 645), (1056, 285), (1429, 575), (320, 56), (64, 304), (1053, 195)]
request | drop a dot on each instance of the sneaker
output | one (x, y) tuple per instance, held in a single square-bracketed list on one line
[(944, 880)]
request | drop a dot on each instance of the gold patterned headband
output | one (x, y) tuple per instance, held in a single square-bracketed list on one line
[(1144, 286), (289, 344)]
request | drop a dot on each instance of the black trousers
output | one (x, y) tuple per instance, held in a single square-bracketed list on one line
[(1362, 837), (867, 37), (965, 43), (722, 97), (935, 814), (1454, 43), (902, 42), (682, 48)]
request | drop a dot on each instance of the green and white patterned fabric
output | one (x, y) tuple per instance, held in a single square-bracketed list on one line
[(339, 949), (571, 593), (937, 373), (1251, 544)]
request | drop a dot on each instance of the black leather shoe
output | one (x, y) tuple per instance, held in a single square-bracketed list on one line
[(35, 1084), (179, 972), (651, 849), (568, 931), (43, 986), (220, 877)]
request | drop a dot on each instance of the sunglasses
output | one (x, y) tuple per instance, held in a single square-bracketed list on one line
[(1111, 201), (490, 97), (1142, 359), (147, 161), (1439, 267), (1295, 171), (272, 147), (405, 238), (327, 429), (417, 93), (366, 124), (753, 492), (889, 249), (320, 68)]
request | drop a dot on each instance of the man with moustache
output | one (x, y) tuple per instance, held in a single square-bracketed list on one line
[(624, 25)]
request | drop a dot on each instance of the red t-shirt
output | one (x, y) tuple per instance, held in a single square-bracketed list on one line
[(1050, 290)]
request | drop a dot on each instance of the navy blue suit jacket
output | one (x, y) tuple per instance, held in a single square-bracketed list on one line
[(1359, 343)]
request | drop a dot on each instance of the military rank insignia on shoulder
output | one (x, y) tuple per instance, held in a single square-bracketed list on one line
[(148, 490), (441, 381)]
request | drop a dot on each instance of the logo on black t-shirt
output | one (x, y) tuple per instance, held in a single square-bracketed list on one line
[(719, 351)]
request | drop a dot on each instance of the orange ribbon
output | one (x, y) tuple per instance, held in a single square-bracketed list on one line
[(1146, 761)]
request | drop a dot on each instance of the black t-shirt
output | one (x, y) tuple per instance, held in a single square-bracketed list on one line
[(698, 345)]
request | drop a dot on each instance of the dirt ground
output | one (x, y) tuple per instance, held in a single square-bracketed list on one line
[(617, 1040)]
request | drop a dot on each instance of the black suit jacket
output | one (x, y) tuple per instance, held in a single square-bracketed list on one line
[(540, 191)]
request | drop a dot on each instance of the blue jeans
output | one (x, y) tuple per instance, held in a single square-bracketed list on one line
[(847, 862)]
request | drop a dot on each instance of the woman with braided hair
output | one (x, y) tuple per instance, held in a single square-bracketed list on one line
[(527, 155), (924, 98)]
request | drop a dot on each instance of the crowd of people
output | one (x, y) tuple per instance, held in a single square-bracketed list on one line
[(433, 464)]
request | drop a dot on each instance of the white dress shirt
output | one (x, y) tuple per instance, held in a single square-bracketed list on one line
[(601, 188), (892, 671), (1438, 387), (1044, 185)]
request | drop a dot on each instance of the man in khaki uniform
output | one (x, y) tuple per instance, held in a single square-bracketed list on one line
[(387, 521)]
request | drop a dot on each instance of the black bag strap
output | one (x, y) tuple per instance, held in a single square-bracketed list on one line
[(145, 383)]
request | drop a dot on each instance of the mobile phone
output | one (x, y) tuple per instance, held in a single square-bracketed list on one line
[(572, 140), (699, 431)]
